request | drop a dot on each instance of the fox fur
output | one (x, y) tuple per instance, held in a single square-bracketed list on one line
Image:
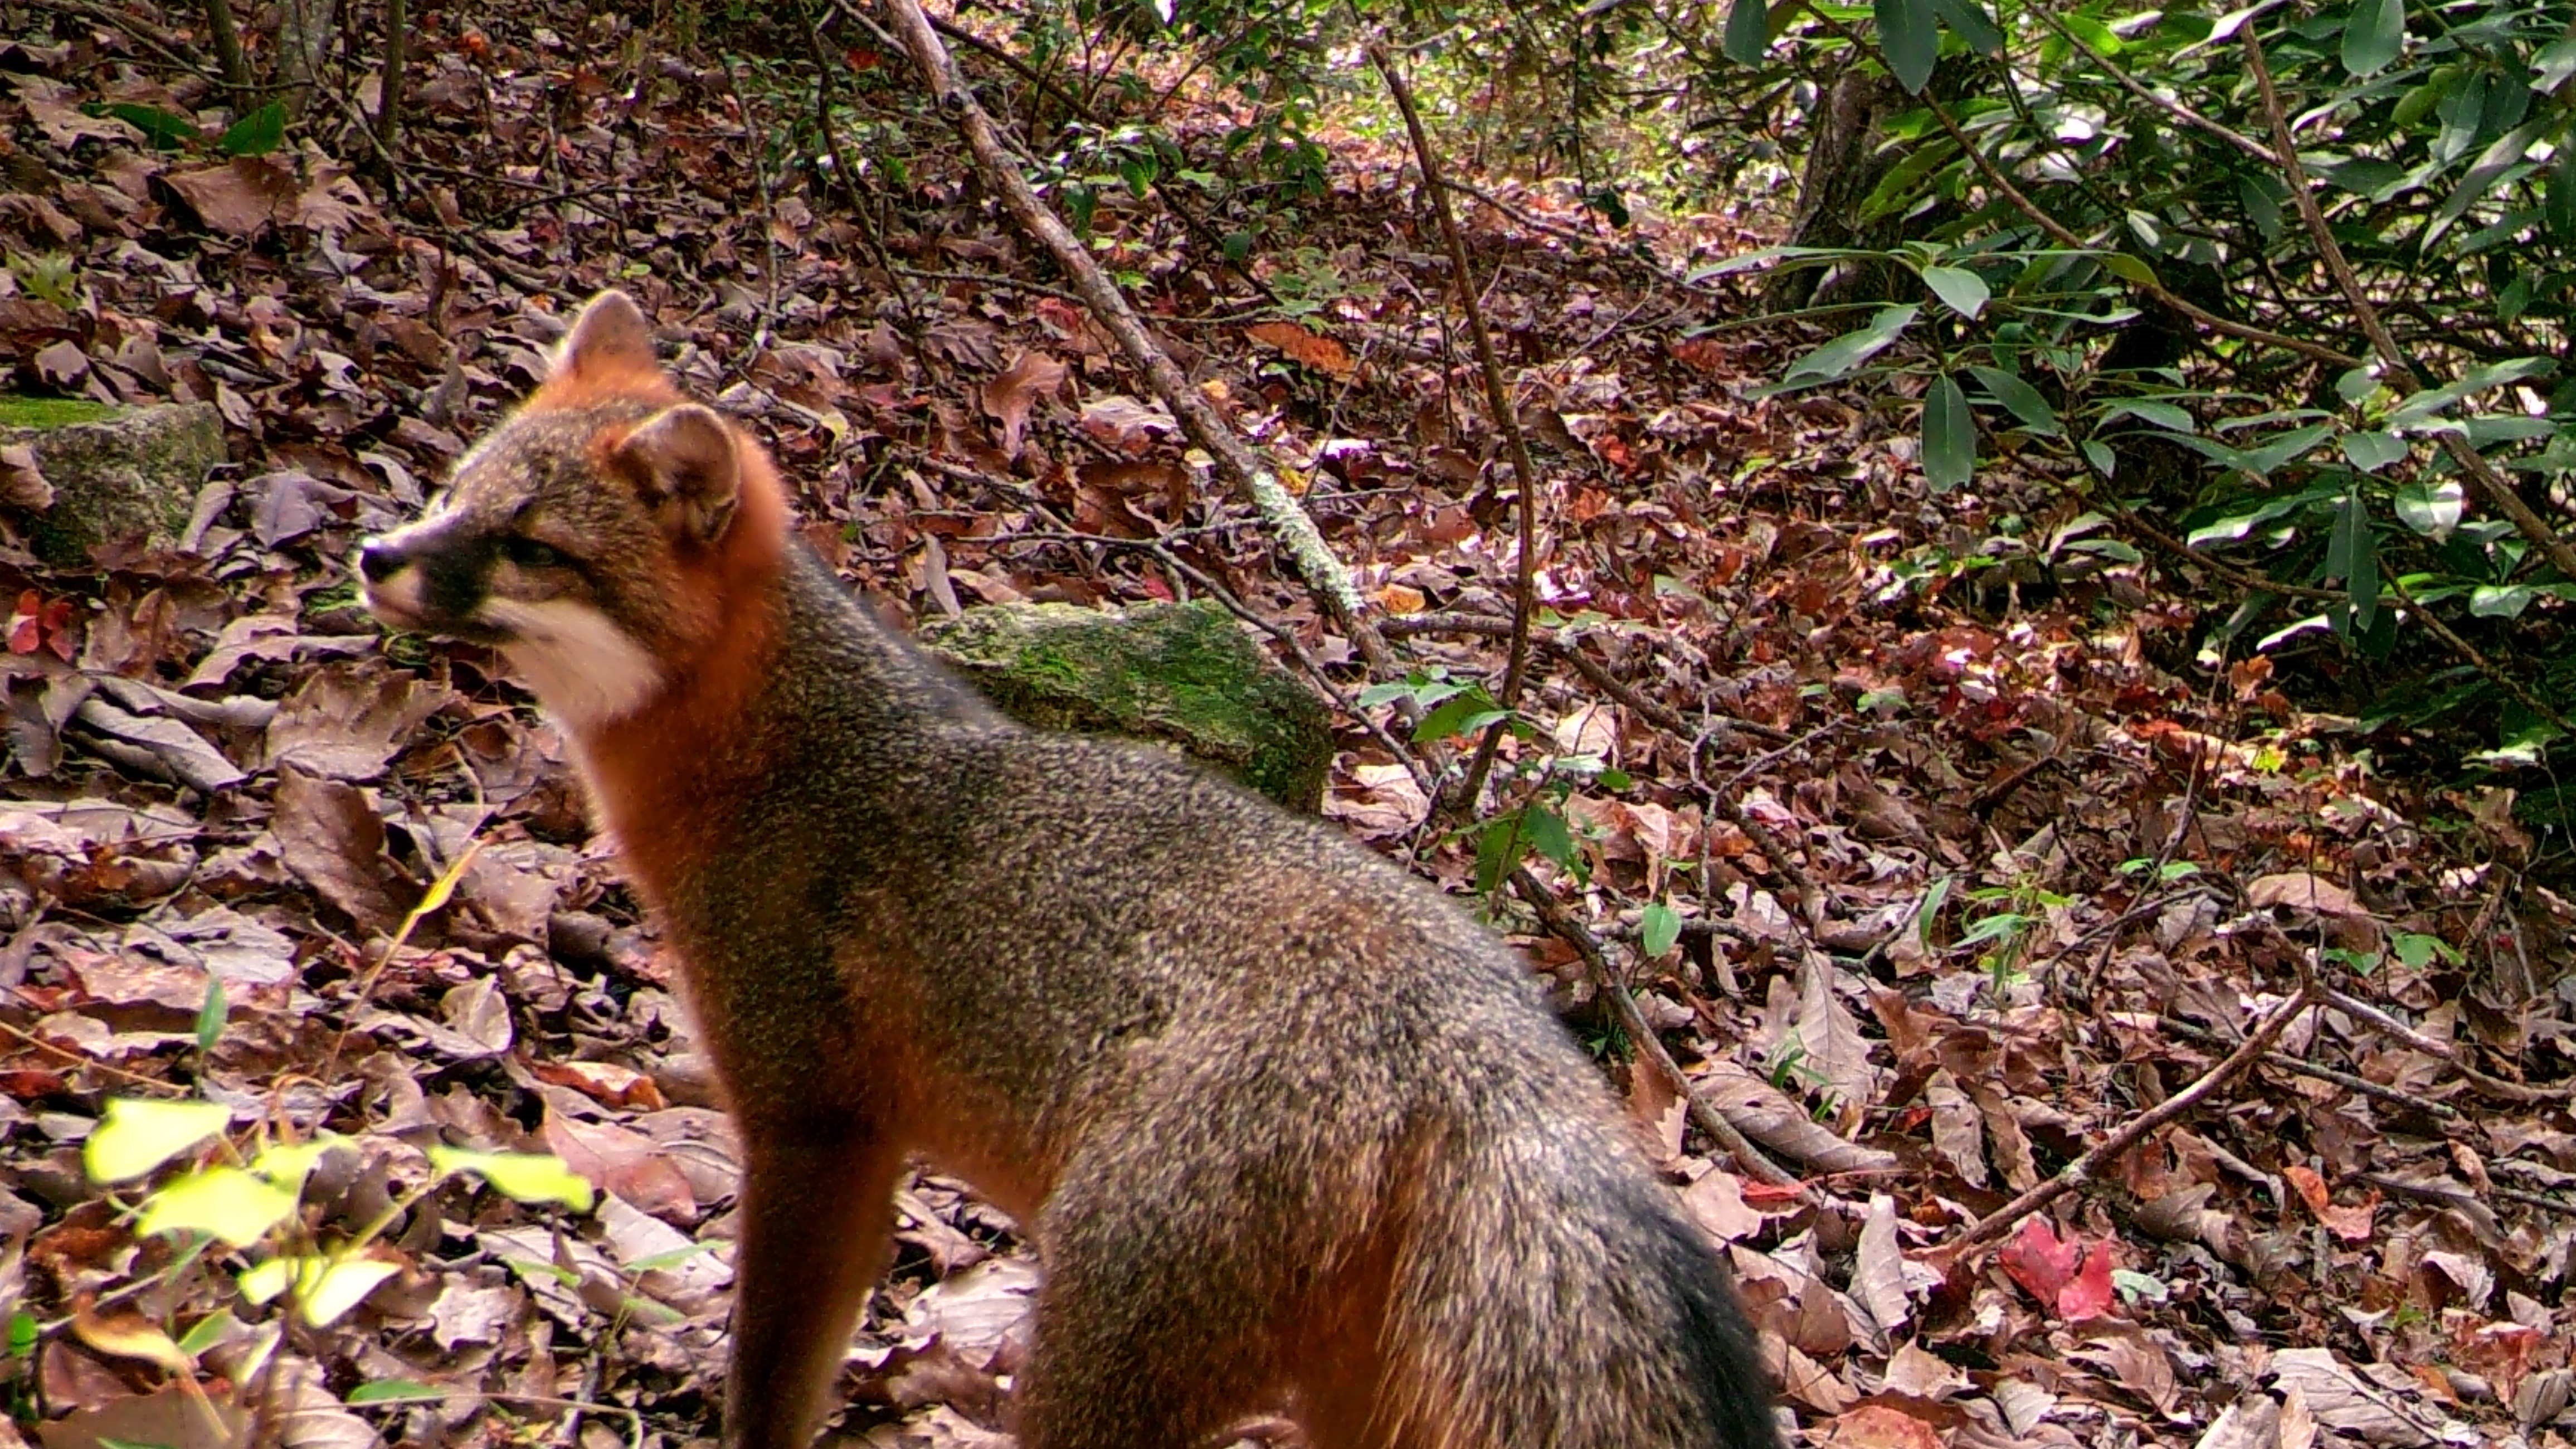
[(1290, 1131)]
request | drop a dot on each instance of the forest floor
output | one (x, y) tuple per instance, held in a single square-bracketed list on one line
[(1933, 854)]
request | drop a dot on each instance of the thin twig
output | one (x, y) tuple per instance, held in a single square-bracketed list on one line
[(1506, 420), (389, 77), (907, 308), (2075, 1174)]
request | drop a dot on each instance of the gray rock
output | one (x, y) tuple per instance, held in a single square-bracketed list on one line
[(114, 472), (1179, 674)]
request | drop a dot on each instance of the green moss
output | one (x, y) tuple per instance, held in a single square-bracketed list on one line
[(52, 412), (1183, 674)]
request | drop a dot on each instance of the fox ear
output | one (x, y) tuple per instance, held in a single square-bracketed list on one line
[(683, 465), (609, 335)]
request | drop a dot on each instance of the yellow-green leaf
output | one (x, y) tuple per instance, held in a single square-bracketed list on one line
[(530, 1177), (288, 1164), (140, 1134), (343, 1284), (264, 1281), (227, 1202)]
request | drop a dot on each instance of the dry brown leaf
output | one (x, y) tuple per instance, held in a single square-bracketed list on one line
[(1881, 1426), (1310, 349), (238, 197), (1031, 376), (626, 1163), (2301, 890), (1878, 1268), (348, 720), (22, 482), (169, 1418), (331, 839)]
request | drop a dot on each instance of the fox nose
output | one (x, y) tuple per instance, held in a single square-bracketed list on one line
[(378, 562)]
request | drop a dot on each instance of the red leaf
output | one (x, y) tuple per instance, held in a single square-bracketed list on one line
[(2090, 1295), (2040, 1261)]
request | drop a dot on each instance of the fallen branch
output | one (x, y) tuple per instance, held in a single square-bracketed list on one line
[(2352, 1005), (2075, 1174), (1255, 481), (1650, 1049), (2403, 1101)]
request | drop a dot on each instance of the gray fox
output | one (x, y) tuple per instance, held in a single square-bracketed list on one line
[(1289, 1130)]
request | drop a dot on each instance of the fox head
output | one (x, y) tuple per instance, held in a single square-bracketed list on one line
[(594, 537)]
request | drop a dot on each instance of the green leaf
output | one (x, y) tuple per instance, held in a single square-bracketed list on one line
[(1546, 832), (2128, 268), (1657, 929), (1748, 32), (139, 1135), (2553, 65), (165, 130), (208, 1331), (2020, 399), (1389, 693), (225, 1202), (1496, 845), (1850, 350), (2432, 511), (2373, 35), (2414, 949), (1968, 20), (2371, 452), (2363, 587), (2501, 601), (657, 1262), (210, 1016), (262, 1282), (2098, 38), (394, 1391), (529, 1177), (2504, 153), (2261, 461), (1461, 714), (1926, 913), (2164, 415), (1949, 437), (1910, 37), (2139, 1287), (1964, 290), (256, 134)]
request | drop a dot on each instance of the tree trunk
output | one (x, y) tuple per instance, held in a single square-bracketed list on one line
[(304, 30), (228, 54), (1844, 165)]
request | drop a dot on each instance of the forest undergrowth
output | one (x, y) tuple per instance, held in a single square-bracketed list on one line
[(2085, 1044)]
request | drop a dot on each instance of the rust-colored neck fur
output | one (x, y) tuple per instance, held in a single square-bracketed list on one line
[(655, 775)]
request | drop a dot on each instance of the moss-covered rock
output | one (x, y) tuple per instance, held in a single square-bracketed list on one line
[(114, 471), (1181, 674)]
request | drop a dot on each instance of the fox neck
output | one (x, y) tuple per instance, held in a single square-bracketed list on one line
[(660, 772)]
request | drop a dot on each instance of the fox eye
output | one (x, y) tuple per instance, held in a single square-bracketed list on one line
[(527, 553)]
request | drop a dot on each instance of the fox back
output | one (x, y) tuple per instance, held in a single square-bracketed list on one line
[(1288, 1129)]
